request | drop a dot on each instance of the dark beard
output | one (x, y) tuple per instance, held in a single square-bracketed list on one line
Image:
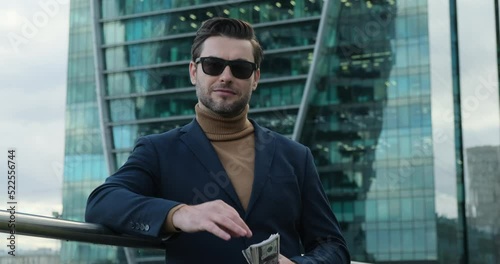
[(223, 110)]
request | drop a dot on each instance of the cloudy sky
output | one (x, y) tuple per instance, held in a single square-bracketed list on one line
[(479, 74), (33, 63), (33, 59)]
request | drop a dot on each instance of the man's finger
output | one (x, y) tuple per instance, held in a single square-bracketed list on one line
[(236, 227), (217, 231)]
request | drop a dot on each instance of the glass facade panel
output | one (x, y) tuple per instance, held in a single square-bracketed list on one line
[(286, 64), (162, 126), (277, 94), (281, 121), (142, 81), (145, 107), (150, 53), (124, 136), (293, 35)]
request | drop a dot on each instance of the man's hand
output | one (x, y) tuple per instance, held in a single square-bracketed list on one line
[(284, 260), (216, 217)]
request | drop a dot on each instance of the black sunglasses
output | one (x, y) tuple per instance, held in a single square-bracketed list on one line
[(215, 66)]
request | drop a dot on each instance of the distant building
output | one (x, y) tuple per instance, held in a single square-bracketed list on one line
[(483, 201)]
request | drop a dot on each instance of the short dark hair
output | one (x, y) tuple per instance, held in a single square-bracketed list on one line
[(226, 27)]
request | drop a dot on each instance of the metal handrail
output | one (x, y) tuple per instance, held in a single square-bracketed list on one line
[(48, 227), (54, 228)]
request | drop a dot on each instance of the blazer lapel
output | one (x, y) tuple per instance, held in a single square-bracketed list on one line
[(264, 154), (196, 140)]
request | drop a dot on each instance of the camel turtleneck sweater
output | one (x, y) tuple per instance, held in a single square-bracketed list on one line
[(233, 140)]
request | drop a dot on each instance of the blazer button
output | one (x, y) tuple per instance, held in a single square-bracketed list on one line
[(146, 227)]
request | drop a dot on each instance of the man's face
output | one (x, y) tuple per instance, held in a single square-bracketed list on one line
[(224, 94)]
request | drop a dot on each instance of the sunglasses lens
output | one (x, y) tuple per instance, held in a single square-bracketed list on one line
[(241, 69), (212, 66)]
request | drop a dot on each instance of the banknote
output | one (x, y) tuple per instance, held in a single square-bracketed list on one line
[(265, 252)]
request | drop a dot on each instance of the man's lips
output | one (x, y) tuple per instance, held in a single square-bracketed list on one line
[(224, 91)]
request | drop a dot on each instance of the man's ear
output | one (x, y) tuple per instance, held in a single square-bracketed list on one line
[(192, 72), (256, 79)]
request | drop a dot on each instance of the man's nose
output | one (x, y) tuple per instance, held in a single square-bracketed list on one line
[(226, 74)]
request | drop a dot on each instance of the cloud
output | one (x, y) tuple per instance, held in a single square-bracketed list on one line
[(39, 153), (40, 62), (30, 22), (446, 206), (479, 74)]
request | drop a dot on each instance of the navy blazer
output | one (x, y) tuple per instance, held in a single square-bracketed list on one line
[(181, 166)]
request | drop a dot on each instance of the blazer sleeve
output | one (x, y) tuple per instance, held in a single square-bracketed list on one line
[(320, 232), (126, 201)]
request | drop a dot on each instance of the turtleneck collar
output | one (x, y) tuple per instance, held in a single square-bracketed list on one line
[(219, 128)]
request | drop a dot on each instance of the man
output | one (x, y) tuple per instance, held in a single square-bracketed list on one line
[(222, 182)]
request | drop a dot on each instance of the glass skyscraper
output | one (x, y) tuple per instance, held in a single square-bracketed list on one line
[(351, 79), (84, 161)]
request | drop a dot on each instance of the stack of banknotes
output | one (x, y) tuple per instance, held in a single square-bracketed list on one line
[(265, 252)]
